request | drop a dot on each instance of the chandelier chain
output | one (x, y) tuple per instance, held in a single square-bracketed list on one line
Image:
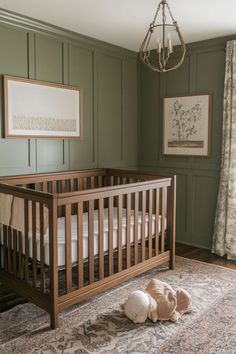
[(172, 18), (155, 17)]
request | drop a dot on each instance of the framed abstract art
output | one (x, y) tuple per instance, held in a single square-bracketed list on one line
[(38, 109)]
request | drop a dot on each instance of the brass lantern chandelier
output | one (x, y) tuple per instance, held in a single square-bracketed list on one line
[(160, 35)]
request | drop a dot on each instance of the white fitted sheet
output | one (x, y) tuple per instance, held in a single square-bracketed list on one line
[(61, 235)]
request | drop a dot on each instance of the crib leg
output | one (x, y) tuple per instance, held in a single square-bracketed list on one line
[(53, 319), (172, 261)]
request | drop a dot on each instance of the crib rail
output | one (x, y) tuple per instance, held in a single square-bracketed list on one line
[(149, 219), (60, 182)]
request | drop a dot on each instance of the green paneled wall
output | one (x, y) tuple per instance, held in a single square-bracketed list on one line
[(197, 177), (109, 89), (122, 110), (18, 155), (81, 63), (108, 76)]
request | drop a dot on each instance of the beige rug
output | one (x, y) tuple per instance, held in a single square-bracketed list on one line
[(99, 326)]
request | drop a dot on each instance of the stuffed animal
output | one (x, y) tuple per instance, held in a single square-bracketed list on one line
[(157, 302)]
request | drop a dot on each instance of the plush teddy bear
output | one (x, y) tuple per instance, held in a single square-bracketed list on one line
[(157, 302)]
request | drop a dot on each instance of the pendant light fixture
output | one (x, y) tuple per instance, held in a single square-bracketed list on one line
[(160, 35)]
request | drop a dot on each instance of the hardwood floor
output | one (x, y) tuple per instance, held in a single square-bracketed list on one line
[(9, 299), (203, 255)]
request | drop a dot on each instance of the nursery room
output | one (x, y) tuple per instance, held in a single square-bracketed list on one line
[(117, 176)]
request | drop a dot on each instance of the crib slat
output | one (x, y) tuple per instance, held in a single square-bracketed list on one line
[(111, 181), (42, 271), (101, 238), (143, 224), (84, 183), (99, 181), (34, 243), (15, 252), (136, 204), (60, 188), (5, 247), (119, 233), (92, 182), (110, 235), (68, 248), (1, 248), (150, 224), (157, 222), (63, 186), (54, 187), (80, 245), (45, 186), (26, 228), (72, 185), (21, 272), (163, 216), (80, 184), (9, 249), (72, 188), (91, 240), (128, 213), (53, 261)]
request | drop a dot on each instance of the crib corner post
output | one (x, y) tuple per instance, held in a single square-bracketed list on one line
[(54, 318), (172, 221), (53, 254)]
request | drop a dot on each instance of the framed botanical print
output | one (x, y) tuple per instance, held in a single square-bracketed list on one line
[(39, 109), (187, 125)]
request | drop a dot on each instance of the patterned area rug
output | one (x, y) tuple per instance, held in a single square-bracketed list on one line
[(99, 325)]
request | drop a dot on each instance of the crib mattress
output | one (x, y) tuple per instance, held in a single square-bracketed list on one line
[(61, 235)]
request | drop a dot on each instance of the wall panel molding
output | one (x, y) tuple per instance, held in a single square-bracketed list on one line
[(39, 51), (203, 208), (109, 108), (201, 72), (81, 73), (19, 157)]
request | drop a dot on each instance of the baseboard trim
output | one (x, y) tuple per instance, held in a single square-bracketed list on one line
[(193, 245)]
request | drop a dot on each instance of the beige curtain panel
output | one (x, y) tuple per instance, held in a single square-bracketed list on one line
[(224, 238)]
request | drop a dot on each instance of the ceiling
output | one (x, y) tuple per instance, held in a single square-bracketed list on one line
[(124, 22)]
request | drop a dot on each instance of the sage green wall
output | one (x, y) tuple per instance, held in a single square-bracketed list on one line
[(118, 92), (108, 76), (197, 177)]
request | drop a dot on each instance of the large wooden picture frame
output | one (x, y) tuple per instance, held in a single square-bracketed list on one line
[(187, 125), (39, 109)]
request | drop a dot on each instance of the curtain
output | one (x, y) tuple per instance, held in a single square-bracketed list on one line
[(224, 237)]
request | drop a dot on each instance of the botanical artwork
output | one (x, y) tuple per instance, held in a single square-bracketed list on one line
[(186, 125), (41, 109)]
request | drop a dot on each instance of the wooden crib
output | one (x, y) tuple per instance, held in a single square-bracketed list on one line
[(83, 232)]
